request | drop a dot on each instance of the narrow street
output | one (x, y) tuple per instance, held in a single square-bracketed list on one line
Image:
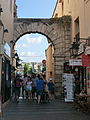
[(44, 54), (55, 110)]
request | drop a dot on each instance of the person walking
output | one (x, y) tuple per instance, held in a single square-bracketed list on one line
[(46, 92), (24, 80), (17, 85), (39, 88), (28, 87), (51, 89), (34, 82)]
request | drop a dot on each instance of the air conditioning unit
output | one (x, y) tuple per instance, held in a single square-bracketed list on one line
[(1, 49)]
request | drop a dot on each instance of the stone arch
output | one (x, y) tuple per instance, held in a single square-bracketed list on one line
[(58, 31), (49, 39), (22, 27)]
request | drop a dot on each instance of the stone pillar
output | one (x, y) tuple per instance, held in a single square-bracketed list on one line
[(59, 60)]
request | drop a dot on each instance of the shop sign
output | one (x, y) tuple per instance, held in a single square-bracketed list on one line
[(86, 60), (81, 49), (7, 49), (75, 62), (87, 50), (68, 85)]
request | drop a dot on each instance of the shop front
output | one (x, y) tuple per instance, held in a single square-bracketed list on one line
[(86, 63), (6, 74), (79, 73)]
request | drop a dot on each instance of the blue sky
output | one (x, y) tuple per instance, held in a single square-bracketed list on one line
[(31, 47)]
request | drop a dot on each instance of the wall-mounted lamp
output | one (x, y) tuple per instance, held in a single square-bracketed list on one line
[(5, 30), (15, 55), (2, 41), (74, 49), (12, 41), (1, 10)]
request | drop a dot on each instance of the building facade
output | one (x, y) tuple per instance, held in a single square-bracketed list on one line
[(6, 35), (80, 47), (50, 62)]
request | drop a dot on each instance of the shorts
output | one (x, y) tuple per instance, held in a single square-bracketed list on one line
[(39, 92), (28, 89), (17, 91)]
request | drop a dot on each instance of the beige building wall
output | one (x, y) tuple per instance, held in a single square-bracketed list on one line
[(58, 10), (49, 62), (7, 18), (6, 22), (79, 10)]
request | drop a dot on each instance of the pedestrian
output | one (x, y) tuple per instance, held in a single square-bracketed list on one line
[(39, 88), (24, 80), (17, 85), (46, 92), (51, 89), (34, 81), (28, 87)]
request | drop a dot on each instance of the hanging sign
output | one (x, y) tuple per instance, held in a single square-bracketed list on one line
[(68, 85), (86, 60), (75, 62)]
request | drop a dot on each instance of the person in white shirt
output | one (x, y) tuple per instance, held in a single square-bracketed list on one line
[(28, 87)]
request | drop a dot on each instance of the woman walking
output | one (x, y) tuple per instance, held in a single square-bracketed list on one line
[(28, 87), (39, 88)]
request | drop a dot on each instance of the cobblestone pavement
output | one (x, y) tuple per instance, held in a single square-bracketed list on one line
[(55, 110)]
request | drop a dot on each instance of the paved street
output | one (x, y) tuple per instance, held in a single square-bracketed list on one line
[(56, 110)]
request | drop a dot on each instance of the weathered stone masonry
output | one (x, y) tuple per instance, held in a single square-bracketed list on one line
[(58, 31)]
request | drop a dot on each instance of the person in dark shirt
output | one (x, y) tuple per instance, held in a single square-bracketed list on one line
[(17, 86), (39, 88), (51, 89)]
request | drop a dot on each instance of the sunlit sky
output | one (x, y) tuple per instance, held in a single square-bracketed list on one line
[(31, 47)]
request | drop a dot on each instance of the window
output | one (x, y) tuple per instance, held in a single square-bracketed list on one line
[(62, 8), (86, 1), (77, 31), (59, 1), (11, 6), (68, 1)]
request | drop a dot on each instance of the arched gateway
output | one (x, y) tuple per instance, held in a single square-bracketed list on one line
[(58, 31)]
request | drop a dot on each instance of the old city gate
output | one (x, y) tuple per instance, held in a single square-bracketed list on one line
[(58, 32)]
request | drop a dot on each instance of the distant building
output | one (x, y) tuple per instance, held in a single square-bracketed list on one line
[(34, 65), (49, 62)]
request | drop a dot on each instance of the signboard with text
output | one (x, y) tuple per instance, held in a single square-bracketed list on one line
[(75, 62), (68, 85)]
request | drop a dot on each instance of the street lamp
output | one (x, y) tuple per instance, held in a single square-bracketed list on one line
[(74, 49), (75, 46)]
